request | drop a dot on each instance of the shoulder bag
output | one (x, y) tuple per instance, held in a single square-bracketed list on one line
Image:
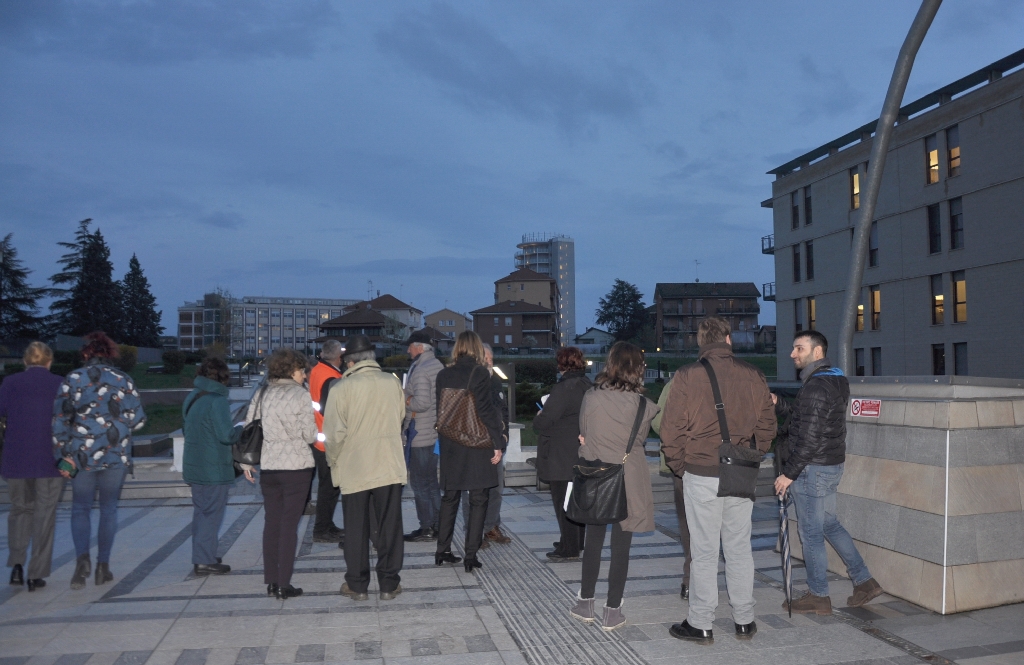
[(598, 488), (737, 465), (458, 419), (250, 442)]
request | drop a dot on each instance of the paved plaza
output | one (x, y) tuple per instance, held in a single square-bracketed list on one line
[(514, 610)]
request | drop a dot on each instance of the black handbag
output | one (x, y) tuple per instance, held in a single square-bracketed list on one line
[(250, 442), (599, 489), (737, 465)]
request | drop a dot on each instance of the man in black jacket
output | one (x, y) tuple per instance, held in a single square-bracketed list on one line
[(812, 466)]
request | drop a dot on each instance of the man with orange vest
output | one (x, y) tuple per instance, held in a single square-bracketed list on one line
[(321, 378)]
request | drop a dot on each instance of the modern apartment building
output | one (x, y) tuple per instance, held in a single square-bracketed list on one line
[(554, 255), (448, 322), (680, 307), (943, 289), (254, 325)]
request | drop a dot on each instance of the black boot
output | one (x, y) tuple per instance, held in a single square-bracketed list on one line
[(17, 575), (103, 574), (83, 568)]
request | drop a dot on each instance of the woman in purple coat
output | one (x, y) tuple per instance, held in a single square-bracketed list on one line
[(35, 486)]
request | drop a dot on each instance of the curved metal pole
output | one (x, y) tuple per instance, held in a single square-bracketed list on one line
[(876, 164)]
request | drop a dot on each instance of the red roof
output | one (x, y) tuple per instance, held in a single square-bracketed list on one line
[(525, 275), (384, 302)]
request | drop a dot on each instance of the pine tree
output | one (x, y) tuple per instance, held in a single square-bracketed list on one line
[(18, 300), (141, 322), (622, 310), (92, 299)]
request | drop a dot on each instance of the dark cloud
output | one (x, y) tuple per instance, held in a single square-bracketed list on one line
[(222, 220), (483, 72), (671, 150), (149, 31), (824, 91)]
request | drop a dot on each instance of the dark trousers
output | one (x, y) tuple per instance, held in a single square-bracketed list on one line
[(386, 516), (492, 517), (208, 505), (284, 497), (617, 571), (326, 495), (31, 520), (474, 521), (684, 530), (571, 540), (425, 489)]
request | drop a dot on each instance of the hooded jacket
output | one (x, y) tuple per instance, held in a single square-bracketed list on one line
[(209, 435), (816, 419)]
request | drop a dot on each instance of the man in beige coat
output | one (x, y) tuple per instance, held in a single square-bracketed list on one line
[(363, 430)]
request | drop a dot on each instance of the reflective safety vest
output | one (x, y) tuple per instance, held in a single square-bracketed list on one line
[(320, 375)]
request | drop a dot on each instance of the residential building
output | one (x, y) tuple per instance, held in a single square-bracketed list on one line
[(382, 330), (944, 276), (254, 325), (525, 285), (680, 307), (390, 306), (554, 254), (595, 336), (448, 322), (511, 324)]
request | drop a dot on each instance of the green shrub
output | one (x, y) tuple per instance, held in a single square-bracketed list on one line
[(537, 371), (400, 360), (194, 357), (128, 356), (174, 361), (527, 396)]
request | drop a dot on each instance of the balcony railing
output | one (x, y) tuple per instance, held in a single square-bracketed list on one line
[(768, 292), (768, 244)]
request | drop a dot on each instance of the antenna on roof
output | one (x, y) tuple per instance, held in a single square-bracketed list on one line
[(696, 268)]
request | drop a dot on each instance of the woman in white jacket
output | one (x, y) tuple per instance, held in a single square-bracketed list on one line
[(286, 464)]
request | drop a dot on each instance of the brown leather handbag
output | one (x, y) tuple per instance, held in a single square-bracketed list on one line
[(458, 420)]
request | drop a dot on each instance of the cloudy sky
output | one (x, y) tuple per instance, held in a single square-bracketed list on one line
[(304, 148)]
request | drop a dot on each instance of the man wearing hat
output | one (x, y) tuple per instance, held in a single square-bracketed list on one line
[(420, 417), (363, 430)]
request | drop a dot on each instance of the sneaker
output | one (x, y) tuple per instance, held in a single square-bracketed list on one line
[(811, 604), (613, 618), (354, 595), (864, 592), (583, 609), (495, 535)]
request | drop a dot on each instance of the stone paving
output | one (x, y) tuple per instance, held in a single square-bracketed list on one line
[(514, 610)]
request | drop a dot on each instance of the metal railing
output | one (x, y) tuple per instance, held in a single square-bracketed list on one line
[(768, 291), (768, 244)]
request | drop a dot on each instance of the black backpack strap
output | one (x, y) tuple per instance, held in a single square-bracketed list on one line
[(641, 409), (719, 404), (193, 402)]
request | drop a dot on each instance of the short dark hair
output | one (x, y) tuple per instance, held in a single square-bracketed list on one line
[(98, 345), (817, 339), (624, 369), (215, 369), (570, 359), (712, 330), (283, 363)]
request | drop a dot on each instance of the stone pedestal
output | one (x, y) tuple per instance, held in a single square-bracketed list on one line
[(514, 450), (933, 490)]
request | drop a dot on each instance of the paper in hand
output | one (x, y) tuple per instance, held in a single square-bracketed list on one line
[(568, 493)]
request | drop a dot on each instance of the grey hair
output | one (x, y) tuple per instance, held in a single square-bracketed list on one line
[(423, 346), (488, 348), (331, 349), (360, 356)]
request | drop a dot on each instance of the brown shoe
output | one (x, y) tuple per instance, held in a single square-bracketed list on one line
[(811, 604), (864, 592), (495, 535)]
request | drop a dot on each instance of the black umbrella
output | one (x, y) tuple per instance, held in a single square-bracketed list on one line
[(787, 561)]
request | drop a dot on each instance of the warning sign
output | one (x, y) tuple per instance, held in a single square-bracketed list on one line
[(866, 408)]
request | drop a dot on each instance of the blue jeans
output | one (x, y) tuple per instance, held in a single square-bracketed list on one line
[(814, 494), (83, 489), (423, 463), (208, 505)]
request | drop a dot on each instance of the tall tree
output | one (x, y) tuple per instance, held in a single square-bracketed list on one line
[(90, 298), (18, 300), (140, 324), (622, 310)]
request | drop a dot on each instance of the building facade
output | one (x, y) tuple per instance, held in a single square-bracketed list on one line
[(943, 289), (448, 322), (525, 285), (554, 255), (679, 308), (511, 324)]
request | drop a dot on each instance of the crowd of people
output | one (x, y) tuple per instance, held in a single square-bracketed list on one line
[(365, 435)]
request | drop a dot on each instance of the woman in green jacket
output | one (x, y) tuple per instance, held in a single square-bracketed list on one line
[(208, 466)]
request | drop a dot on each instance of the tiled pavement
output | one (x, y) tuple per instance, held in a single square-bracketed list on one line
[(514, 610)]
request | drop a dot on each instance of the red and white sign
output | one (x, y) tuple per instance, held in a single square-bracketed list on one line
[(866, 408)]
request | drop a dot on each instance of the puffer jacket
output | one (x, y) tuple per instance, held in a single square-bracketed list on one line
[(816, 420), (421, 393), (288, 425)]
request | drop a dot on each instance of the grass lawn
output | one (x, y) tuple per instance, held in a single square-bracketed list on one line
[(162, 419), (145, 381), (527, 437)]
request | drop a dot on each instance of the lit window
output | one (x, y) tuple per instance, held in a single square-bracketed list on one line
[(873, 245), (876, 307), (931, 153), (938, 301), (960, 358), (860, 318), (807, 206), (956, 223), (953, 150), (939, 359), (854, 189), (794, 202), (796, 263), (959, 297), (810, 259), (934, 230), (811, 314)]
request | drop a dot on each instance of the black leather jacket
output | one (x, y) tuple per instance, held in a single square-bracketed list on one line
[(816, 420)]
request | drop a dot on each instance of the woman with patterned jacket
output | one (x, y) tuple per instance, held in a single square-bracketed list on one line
[(96, 410), (286, 464)]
